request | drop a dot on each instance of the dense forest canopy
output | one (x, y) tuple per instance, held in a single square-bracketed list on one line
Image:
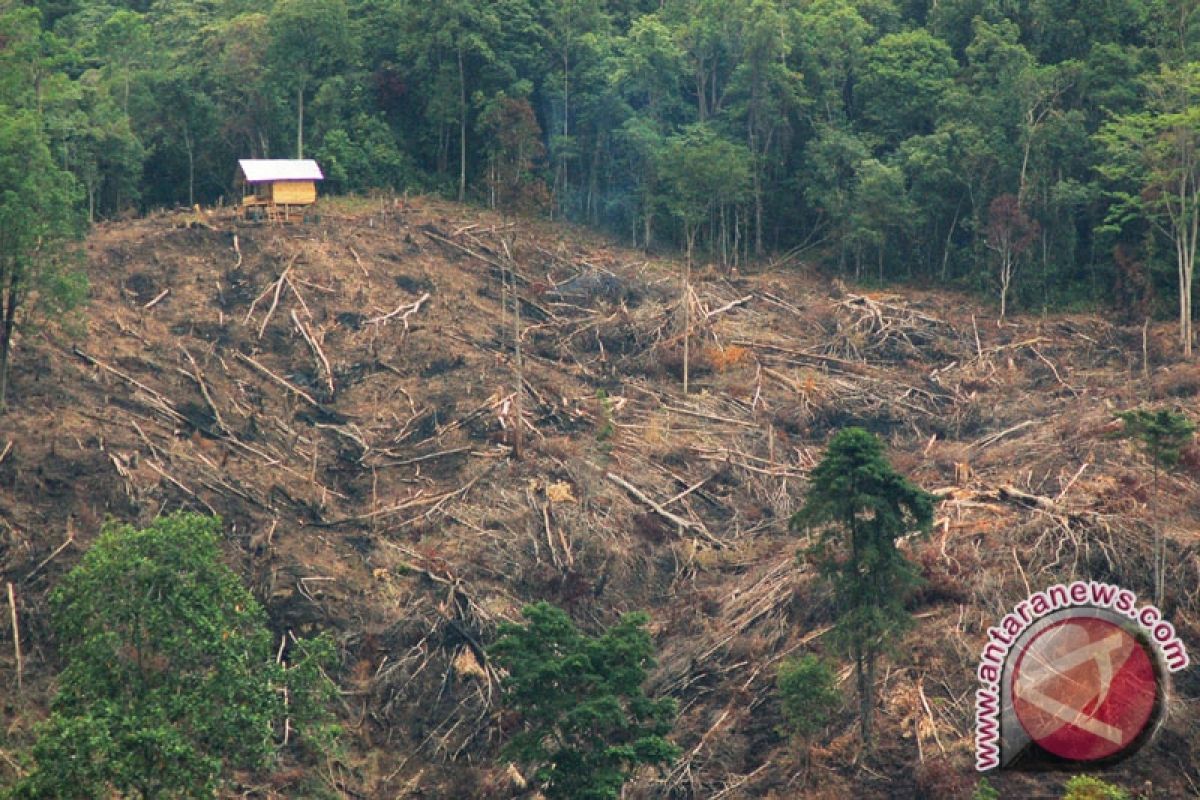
[(1041, 150)]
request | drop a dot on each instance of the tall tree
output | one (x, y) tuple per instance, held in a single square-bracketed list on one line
[(767, 90), (1153, 163), (859, 506), (309, 40), (703, 172), (1010, 232), (451, 46)]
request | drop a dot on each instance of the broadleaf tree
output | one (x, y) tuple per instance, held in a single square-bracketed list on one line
[(171, 677), (39, 220), (585, 721), (1153, 161)]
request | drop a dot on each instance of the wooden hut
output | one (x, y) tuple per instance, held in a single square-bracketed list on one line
[(279, 188)]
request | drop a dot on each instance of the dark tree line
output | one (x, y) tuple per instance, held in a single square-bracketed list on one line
[(1044, 151)]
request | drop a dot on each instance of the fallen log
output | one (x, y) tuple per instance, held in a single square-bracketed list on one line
[(683, 524)]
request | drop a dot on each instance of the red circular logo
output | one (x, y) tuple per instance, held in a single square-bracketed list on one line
[(1084, 688)]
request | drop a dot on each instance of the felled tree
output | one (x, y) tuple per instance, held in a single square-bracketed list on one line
[(858, 505), (1163, 434), (585, 721), (171, 677), (1010, 232)]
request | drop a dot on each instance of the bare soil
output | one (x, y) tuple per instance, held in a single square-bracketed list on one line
[(344, 394)]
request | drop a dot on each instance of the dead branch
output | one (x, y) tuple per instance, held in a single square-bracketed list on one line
[(714, 417), (5, 451), (728, 306), (992, 438), (679, 521), (276, 287), (157, 297), (408, 310), (12, 605), (160, 401), (303, 395), (316, 348), (358, 261), (70, 539), (198, 377)]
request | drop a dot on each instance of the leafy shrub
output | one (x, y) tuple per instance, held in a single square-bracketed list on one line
[(807, 693), (585, 721), (171, 677)]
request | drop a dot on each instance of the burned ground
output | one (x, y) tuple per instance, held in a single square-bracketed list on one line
[(343, 394)]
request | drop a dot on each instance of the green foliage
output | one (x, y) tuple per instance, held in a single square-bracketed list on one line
[(881, 130), (1164, 433), (859, 506), (985, 791), (702, 171), (585, 721), (39, 220), (1088, 787), (808, 693), (607, 429), (171, 679)]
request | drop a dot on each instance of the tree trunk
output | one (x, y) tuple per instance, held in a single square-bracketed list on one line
[(690, 233), (300, 121), (7, 326), (462, 128), (518, 432), (187, 143)]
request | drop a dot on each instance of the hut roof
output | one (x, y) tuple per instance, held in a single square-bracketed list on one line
[(262, 170)]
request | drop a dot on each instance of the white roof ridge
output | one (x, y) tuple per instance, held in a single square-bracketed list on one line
[(258, 170)]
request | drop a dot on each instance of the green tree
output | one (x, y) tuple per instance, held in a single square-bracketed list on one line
[(904, 78), (1153, 161), (171, 678), (859, 506), (309, 41), (985, 791), (586, 723), (882, 212), (702, 172), (1164, 434), (38, 221), (808, 696), (767, 90)]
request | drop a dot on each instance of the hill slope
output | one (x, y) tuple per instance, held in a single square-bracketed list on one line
[(342, 393)]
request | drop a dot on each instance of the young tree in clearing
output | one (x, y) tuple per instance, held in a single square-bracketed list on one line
[(859, 506), (808, 695), (1163, 434), (1154, 162), (586, 723), (1010, 232)]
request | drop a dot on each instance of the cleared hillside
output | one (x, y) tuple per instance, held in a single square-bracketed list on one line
[(342, 393)]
